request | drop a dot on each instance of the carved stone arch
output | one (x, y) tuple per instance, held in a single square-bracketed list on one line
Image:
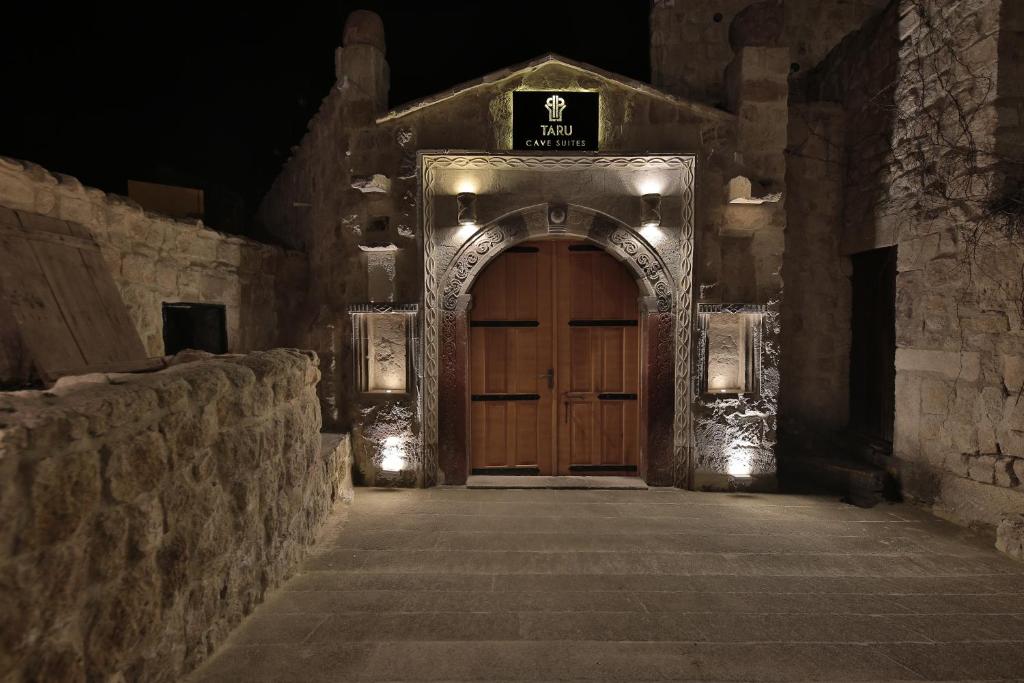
[(654, 283), (615, 236)]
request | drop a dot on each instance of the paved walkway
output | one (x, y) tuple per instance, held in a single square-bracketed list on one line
[(457, 584)]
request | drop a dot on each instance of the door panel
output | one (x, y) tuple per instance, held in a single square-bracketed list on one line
[(599, 356), (511, 352), (572, 309)]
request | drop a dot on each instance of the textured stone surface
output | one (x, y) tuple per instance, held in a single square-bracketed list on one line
[(816, 315), (155, 259), (1010, 536), (958, 431), (152, 512), (690, 38), (455, 584), (758, 25)]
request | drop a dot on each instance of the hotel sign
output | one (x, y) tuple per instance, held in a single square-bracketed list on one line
[(554, 120)]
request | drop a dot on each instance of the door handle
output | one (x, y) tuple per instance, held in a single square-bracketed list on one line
[(550, 374)]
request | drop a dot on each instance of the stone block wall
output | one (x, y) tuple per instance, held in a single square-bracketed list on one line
[(816, 313), (690, 46), (933, 127), (155, 259), (142, 516)]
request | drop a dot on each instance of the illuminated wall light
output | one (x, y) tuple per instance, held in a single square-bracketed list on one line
[(740, 462), (650, 210), (467, 208), (393, 459), (651, 184)]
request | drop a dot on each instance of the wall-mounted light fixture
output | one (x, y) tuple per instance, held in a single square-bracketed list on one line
[(467, 208), (650, 210), (393, 454)]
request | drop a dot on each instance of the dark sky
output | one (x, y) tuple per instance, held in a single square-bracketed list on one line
[(213, 94)]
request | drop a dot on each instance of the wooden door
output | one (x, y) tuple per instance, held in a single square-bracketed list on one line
[(512, 370), (598, 363), (554, 363)]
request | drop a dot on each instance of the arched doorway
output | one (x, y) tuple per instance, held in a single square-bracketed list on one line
[(528, 197), (554, 363)]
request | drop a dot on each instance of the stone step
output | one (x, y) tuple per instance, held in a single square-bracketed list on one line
[(491, 481), (862, 484)]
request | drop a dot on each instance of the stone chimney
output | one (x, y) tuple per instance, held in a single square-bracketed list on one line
[(757, 89), (360, 64)]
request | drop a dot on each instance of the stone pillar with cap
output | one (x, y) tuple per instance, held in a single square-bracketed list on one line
[(360, 65), (757, 89)]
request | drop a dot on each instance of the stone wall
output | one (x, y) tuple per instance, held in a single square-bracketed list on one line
[(690, 38), (816, 314), (142, 516), (155, 259), (933, 111)]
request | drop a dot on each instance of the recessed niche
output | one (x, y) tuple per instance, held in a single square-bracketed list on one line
[(729, 348), (382, 341), (194, 326)]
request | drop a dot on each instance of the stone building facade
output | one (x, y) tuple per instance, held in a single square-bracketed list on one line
[(371, 194), (778, 148)]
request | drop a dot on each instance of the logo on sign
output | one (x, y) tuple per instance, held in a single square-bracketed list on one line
[(555, 106)]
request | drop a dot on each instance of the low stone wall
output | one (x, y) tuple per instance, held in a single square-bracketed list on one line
[(142, 516)]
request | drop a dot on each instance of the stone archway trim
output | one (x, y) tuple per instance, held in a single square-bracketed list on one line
[(444, 287)]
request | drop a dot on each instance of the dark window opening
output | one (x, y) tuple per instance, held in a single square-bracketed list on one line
[(195, 326), (873, 344)]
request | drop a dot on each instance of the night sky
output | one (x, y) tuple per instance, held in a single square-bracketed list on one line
[(214, 96)]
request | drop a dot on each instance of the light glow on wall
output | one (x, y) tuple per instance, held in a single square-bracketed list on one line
[(393, 459), (651, 183), (464, 232), (726, 354), (740, 462), (651, 233)]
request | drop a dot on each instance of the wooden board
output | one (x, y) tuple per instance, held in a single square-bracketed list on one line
[(69, 311)]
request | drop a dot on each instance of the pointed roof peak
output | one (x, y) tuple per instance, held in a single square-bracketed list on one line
[(553, 58)]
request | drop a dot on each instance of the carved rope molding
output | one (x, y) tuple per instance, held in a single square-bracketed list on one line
[(440, 304), (683, 420)]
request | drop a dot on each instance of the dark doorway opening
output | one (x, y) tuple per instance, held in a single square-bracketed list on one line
[(873, 344), (195, 326)]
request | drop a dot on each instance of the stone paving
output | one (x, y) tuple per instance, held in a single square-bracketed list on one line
[(484, 585)]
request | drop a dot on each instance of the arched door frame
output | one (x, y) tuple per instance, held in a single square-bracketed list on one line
[(666, 309)]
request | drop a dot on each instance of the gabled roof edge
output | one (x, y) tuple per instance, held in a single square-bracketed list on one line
[(550, 57)]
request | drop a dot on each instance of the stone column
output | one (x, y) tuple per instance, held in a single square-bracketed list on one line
[(659, 396), (360, 65), (453, 387), (757, 87)]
